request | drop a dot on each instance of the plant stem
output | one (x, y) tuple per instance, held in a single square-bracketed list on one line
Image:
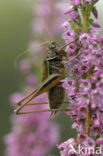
[(88, 119)]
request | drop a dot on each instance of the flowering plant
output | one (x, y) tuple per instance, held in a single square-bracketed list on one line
[(84, 84)]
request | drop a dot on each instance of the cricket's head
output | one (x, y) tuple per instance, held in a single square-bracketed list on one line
[(54, 51), (53, 45)]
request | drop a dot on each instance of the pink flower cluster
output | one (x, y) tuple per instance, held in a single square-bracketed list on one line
[(84, 85)]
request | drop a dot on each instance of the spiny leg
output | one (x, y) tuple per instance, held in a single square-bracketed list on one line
[(44, 110), (65, 62)]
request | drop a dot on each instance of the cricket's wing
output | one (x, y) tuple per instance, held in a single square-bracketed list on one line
[(48, 83)]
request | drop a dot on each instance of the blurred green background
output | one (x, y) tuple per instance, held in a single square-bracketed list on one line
[(15, 35)]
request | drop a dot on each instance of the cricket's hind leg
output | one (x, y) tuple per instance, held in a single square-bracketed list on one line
[(49, 83), (43, 110)]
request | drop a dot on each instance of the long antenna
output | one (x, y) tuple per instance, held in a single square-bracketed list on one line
[(19, 56), (46, 29), (27, 51)]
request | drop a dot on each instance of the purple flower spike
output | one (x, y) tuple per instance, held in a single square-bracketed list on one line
[(86, 94)]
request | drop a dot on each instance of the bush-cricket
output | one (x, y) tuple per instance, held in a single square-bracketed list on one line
[(53, 72)]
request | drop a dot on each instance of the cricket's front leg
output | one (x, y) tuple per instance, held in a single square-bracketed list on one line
[(50, 82), (74, 57)]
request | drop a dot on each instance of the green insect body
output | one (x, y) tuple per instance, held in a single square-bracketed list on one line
[(53, 65)]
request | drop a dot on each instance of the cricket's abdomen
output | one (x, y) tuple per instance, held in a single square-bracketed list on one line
[(56, 96)]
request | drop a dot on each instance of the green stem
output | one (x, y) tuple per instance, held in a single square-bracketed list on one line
[(88, 116)]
